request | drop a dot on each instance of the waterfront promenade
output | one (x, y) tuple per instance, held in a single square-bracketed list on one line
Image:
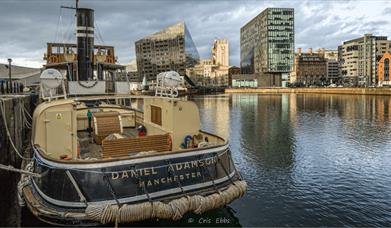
[(350, 91)]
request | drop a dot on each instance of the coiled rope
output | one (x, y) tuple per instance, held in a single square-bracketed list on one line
[(174, 209)]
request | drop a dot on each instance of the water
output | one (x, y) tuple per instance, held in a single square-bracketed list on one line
[(309, 160)]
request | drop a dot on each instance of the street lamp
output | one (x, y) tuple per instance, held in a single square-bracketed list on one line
[(9, 75)]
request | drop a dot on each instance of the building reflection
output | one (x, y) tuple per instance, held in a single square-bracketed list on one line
[(264, 120), (215, 114), (271, 128), (271, 122), (383, 109), (354, 117), (292, 109), (307, 150)]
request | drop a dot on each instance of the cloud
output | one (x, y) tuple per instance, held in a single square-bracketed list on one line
[(26, 26), (387, 11)]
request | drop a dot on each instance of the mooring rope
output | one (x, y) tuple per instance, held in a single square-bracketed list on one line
[(16, 170), (24, 114), (23, 182), (174, 209), (2, 109)]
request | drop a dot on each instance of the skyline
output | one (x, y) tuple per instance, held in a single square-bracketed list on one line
[(206, 21)]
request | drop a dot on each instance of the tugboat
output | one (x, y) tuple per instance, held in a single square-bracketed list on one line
[(100, 158)]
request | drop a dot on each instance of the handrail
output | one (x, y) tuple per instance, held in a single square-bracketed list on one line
[(36, 147)]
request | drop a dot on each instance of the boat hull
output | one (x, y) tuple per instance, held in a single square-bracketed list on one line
[(68, 188)]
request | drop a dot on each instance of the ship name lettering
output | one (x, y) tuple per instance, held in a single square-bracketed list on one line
[(168, 180), (133, 173), (136, 173)]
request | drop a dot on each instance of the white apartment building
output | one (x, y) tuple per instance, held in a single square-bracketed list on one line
[(358, 59)]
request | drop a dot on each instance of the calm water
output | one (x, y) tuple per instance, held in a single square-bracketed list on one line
[(309, 160)]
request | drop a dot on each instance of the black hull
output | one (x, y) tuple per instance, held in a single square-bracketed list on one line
[(65, 190)]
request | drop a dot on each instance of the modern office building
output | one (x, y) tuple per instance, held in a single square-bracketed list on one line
[(267, 46), (333, 76), (309, 68), (333, 73), (359, 57), (170, 49)]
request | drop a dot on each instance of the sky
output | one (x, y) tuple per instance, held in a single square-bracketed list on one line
[(27, 25)]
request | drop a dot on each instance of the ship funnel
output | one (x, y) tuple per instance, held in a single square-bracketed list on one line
[(85, 43)]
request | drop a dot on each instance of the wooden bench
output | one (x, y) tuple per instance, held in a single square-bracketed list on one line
[(106, 123), (124, 147)]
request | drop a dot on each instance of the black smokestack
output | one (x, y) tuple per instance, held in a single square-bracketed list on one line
[(85, 43)]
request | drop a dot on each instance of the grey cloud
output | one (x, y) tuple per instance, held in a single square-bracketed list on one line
[(26, 26), (387, 11)]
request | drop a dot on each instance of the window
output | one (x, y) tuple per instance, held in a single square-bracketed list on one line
[(156, 115), (387, 69)]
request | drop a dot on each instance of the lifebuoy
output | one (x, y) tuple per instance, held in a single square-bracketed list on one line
[(53, 59), (169, 141), (110, 59)]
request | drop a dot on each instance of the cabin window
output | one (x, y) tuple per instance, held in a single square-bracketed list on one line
[(387, 69), (156, 115)]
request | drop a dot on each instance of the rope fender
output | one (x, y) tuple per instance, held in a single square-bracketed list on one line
[(174, 210)]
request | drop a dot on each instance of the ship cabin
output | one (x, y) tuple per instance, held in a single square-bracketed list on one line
[(92, 129), (107, 76)]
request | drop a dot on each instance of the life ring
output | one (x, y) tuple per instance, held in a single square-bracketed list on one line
[(110, 59), (169, 142), (53, 59)]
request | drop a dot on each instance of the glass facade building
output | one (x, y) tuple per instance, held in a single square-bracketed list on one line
[(170, 49), (267, 42)]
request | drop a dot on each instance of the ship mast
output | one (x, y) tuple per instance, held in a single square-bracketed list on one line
[(85, 41)]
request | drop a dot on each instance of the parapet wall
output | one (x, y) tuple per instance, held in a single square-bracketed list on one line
[(351, 91)]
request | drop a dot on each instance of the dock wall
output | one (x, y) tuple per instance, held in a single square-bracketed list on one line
[(15, 110), (350, 91)]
